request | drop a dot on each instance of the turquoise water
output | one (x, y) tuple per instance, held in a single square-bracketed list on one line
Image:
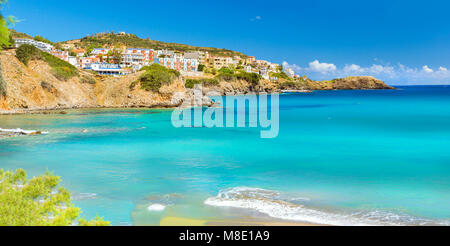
[(341, 157)]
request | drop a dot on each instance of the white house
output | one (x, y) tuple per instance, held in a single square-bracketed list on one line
[(108, 69), (73, 60), (99, 51), (40, 45)]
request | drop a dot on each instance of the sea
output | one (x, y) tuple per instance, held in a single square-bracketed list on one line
[(350, 157)]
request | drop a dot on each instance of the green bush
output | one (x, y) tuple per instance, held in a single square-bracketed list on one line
[(156, 66), (281, 75), (288, 85), (201, 67), (39, 201), (63, 73), (226, 70), (206, 82), (156, 76), (88, 80), (26, 53), (251, 78), (47, 86), (133, 84), (191, 82), (42, 39)]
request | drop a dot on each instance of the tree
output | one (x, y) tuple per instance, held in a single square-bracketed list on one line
[(280, 68), (5, 40), (59, 46), (201, 67), (38, 201), (116, 55)]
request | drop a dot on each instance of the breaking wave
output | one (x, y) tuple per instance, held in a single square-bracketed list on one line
[(273, 204)]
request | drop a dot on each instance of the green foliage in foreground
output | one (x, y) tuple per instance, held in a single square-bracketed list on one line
[(206, 82), (5, 34), (39, 201), (62, 70), (156, 76)]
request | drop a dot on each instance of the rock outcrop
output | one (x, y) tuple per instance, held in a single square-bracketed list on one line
[(349, 83)]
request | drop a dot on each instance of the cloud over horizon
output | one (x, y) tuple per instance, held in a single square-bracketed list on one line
[(396, 75)]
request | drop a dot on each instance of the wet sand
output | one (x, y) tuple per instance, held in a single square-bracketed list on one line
[(179, 221)]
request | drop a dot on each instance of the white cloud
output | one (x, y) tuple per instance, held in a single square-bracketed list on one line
[(353, 68), (393, 74), (426, 69), (257, 18), (324, 68)]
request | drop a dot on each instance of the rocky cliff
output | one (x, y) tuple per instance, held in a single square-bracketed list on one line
[(34, 87)]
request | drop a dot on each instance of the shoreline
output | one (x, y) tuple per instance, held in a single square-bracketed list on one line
[(24, 111), (245, 221), (64, 110)]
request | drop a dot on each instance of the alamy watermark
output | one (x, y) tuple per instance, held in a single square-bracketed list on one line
[(233, 113)]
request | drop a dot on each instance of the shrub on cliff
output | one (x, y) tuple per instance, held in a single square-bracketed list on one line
[(3, 91), (201, 67), (289, 85), (252, 78), (88, 80), (157, 67), (42, 39), (156, 76), (38, 201), (26, 53), (281, 75), (206, 82), (63, 73)]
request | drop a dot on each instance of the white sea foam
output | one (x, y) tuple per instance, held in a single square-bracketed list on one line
[(272, 204), (21, 131), (84, 196), (156, 207)]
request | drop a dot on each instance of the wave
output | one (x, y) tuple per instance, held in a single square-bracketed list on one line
[(273, 204), (156, 207), (84, 196)]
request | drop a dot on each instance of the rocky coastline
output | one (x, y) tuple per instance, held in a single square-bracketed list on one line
[(33, 89)]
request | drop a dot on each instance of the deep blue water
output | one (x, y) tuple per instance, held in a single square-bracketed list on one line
[(341, 157)]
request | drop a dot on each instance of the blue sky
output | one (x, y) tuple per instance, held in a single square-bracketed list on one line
[(401, 42)]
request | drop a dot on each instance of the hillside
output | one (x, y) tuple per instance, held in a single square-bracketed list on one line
[(16, 34), (106, 40), (36, 86)]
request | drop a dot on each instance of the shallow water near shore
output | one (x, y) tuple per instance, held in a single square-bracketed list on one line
[(341, 157)]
